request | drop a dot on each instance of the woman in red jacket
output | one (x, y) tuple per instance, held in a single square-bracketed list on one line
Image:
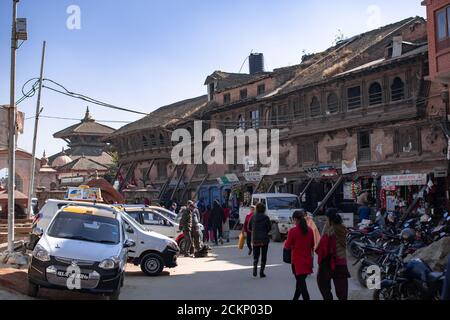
[(301, 243)]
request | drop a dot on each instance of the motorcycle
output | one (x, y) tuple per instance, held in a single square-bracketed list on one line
[(413, 280)]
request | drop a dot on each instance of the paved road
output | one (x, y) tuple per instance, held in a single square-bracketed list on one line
[(226, 274)]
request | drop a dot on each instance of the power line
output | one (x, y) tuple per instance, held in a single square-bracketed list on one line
[(75, 119)]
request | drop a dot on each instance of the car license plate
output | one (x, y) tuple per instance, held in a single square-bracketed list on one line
[(64, 274)]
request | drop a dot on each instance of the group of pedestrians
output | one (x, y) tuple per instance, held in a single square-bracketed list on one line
[(216, 221), (302, 242)]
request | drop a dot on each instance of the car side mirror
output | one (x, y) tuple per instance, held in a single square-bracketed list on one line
[(129, 230), (129, 243), (38, 232)]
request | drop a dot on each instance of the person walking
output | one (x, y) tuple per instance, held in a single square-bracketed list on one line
[(226, 222), (260, 227), (186, 228), (246, 230), (216, 218), (300, 241), (205, 221), (332, 258)]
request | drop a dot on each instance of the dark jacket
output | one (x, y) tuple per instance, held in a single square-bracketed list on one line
[(260, 227), (217, 216), (186, 220)]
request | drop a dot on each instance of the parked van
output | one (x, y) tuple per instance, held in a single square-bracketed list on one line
[(280, 208), (85, 248)]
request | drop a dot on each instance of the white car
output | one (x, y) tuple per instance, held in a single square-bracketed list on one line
[(42, 219), (85, 249), (153, 251)]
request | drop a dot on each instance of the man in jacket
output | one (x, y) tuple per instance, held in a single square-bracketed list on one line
[(196, 233), (216, 219), (186, 228)]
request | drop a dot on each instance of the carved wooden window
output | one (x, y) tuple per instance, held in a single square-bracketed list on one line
[(226, 98), (145, 143), (261, 89), (162, 169), (315, 107), (375, 94), (407, 140), (297, 108), (336, 156), (354, 98), (397, 89), (332, 103), (364, 146), (307, 152), (243, 94)]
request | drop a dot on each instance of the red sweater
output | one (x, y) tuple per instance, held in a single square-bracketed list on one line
[(247, 221), (302, 248)]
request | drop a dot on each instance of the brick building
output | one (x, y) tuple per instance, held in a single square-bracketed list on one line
[(359, 116)]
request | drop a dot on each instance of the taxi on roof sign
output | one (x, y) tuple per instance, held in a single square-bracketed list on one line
[(84, 193)]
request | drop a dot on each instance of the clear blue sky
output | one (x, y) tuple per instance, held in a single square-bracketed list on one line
[(144, 54)]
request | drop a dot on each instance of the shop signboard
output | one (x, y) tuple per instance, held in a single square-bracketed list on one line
[(404, 180), (228, 179), (252, 176), (321, 171), (84, 193), (348, 219), (70, 180)]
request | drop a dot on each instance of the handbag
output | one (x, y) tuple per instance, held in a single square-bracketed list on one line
[(241, 241), (287, 255)]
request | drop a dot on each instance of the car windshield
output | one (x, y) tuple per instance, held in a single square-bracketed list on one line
[(283, 203), (91, 228)]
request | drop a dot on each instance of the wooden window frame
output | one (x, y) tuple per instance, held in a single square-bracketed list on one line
[(226, 98), (243, 94), (301, 147), (375, 98), (364, 154), (261, 89), (444, 43), (354, 102)]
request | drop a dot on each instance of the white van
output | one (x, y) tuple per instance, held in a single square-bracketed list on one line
[(280, 208)]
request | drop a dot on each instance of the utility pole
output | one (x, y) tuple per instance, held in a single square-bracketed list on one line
[(36, 123), (12, 133)]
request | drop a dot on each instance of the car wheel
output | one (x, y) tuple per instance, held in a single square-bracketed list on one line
[(275, 233), (152, 264), (33, 289), (182, 245), (115, 295)]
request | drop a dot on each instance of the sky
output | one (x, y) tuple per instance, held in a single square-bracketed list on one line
[(143, 54)]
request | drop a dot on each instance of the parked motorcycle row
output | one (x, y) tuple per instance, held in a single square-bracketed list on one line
[(381, 251)]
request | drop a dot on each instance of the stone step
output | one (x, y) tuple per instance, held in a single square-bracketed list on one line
[(16, 221), (20, 230)]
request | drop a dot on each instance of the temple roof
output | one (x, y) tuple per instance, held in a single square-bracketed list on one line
[(83, 164), (87, 126)]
